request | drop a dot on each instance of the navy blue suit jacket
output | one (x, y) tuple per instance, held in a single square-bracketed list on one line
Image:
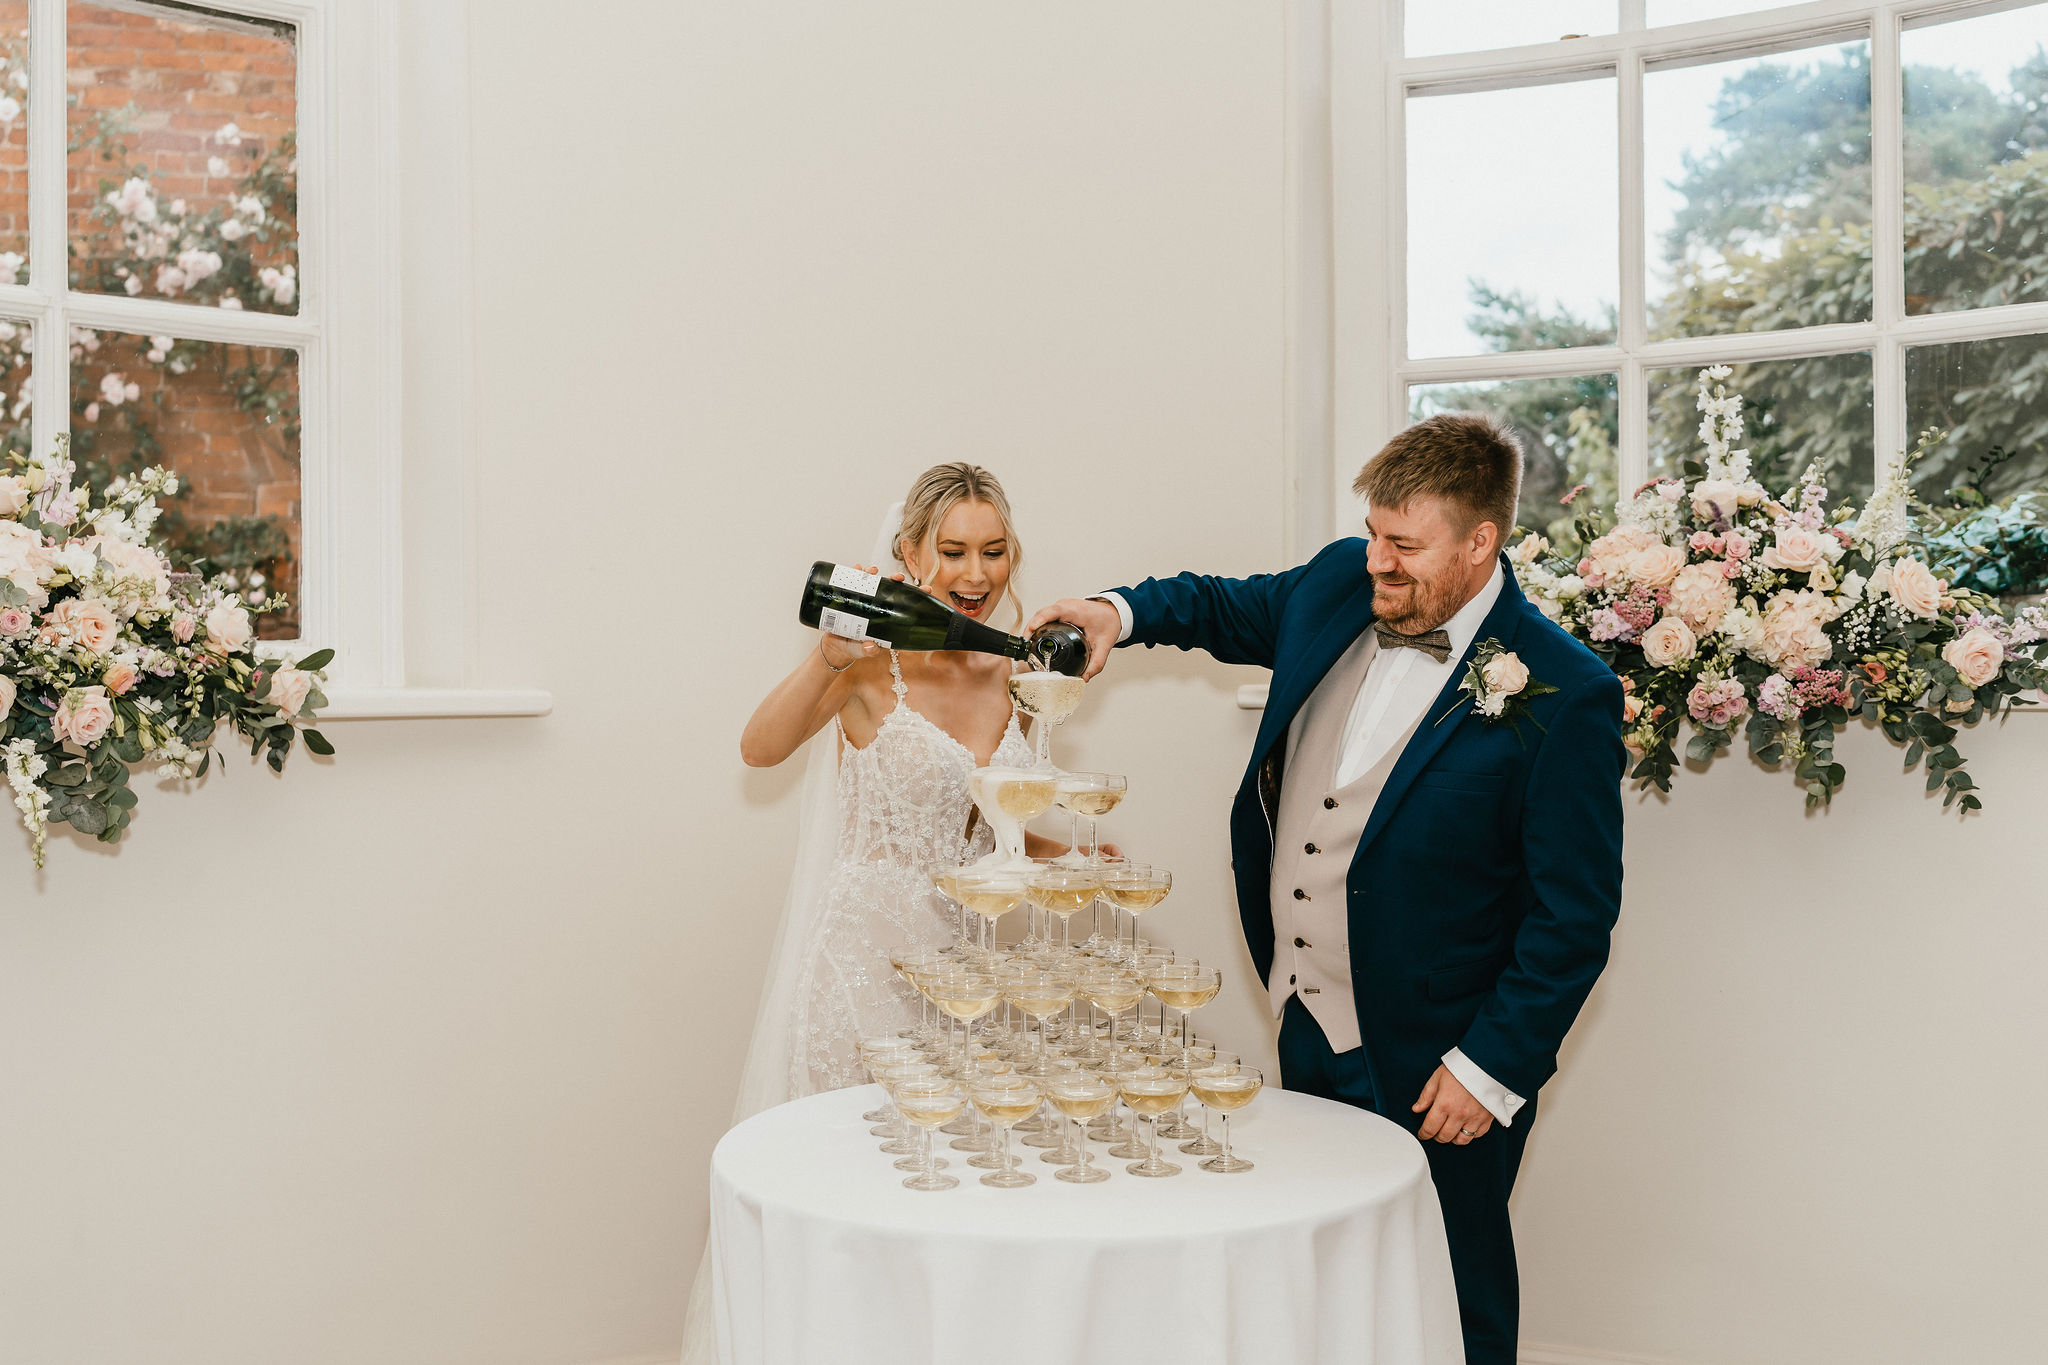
[(1488, 879)]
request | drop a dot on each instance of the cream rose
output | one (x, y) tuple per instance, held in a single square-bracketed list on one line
[(1799, 550), (1668, 642), (1914, 587), (228, 628), (1529, 550), (1716, 500), (1793, 631), (1976, 655), (6, 695), (90, 621), (1505, 675), (288, 689), (1702, 596), (83, 716), (182, 626), (1656, 565), (14, 495)]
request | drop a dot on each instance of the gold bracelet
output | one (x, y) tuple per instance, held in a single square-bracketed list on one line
[(828, 663)]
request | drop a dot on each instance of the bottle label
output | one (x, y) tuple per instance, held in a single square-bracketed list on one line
[(850, 579), (843, 623)]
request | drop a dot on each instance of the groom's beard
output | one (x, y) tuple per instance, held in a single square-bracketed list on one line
[(1411, 606)]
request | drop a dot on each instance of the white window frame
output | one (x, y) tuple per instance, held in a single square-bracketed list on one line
[(1366, 198), (352, 581)]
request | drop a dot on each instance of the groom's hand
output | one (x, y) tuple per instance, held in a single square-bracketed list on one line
[(1097, 619), (1454, 1116)]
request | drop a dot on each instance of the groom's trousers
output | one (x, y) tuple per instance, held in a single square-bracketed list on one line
[(1472, 1182)]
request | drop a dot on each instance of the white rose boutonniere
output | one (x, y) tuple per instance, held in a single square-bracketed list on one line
[(1500, 685)]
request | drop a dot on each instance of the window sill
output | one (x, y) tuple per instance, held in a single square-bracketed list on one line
[(419, 703)]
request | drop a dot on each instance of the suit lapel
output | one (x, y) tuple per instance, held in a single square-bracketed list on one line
[(1322, 653), (1501, 623)]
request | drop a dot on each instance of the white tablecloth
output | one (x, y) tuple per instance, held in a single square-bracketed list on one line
[(1331, 1249)]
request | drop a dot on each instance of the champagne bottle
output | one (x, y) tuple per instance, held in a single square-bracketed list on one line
[(842, 599)]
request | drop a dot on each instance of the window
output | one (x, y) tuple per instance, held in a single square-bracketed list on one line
[(1846, 201)]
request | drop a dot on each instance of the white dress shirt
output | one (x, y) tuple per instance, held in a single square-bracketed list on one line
[(1399, 686)]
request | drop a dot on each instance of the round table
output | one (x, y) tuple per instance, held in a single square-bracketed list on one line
[(1330, 1249)]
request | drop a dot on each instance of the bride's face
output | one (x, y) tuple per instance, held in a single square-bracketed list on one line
[(970, 563)]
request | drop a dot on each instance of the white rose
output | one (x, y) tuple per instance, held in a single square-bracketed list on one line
[(1505, 675), (1571, 587), (1668, 642), (14, 494), (1529, 550), (1715, 500), (288, 689), (228, 628)]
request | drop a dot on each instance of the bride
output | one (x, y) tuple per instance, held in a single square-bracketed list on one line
[(893, 738)]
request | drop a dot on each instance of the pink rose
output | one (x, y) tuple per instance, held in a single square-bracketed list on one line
[(1505, 675), (119, 679), (1631, 709), (1914, 587), (13, 621), (1976, 655), (1799, 550), (1668, 642), (1657, 564), (182, 626), (83, 716), (1735, 545)]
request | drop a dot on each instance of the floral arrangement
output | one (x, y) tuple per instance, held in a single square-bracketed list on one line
[(108, 659), (1721, 604)]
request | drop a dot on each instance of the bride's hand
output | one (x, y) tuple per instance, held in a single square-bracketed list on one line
[(841, 653)]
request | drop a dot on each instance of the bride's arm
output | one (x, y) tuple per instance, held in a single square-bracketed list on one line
[(804, 702)]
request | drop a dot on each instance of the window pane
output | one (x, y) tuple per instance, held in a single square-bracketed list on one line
[(17, 354), (225, 418), (1976, 126), (1437, 26), (1567, 428), (1661, 12), (1512, 245), (13, 142), (1985, 396), (1794, 412), (1757, 192), (184, 168)]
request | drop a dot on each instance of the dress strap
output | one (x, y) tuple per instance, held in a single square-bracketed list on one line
[(896, 672)]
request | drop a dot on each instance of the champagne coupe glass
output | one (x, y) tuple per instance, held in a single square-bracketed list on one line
[(1184, 987), (965, 999), (1040, 995), (1049, 698), (1082, 1097), (945, 880), (901, 1141), (1064, 891), (978, 1140), (1090, 795), (1113, 992), (1226, 1094), (1008, 799), (1135, 889), (885, 1050), (989, 895), (1200, 1060), (1152, 1093), (910, 966), (1005, 1107), (1129, 1137), (930, 1104)]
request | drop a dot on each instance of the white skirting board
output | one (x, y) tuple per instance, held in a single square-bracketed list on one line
[(1529, 1353), (659, 1358)]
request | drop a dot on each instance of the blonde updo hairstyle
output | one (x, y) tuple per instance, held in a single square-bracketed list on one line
[(938, 491)]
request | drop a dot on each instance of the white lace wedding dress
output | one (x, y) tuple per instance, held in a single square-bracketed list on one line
[(900, 807)]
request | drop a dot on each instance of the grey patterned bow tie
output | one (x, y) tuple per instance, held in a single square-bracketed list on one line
[(1435, 643)]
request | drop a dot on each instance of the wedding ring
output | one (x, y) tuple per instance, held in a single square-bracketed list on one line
[(1469, 1132)]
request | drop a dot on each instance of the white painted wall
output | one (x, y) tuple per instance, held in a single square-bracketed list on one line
[(441, 1090)]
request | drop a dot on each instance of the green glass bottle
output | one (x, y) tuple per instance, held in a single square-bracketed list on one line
[(843, 599)]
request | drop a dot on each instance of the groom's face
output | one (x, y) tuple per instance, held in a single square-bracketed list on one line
[(1422, 562)]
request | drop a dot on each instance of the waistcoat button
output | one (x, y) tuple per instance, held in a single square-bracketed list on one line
[(1300, 894), (1310, 848), (1329, 803), (1299, 942)]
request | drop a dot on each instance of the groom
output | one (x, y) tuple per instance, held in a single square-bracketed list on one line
[(1426, 890)]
